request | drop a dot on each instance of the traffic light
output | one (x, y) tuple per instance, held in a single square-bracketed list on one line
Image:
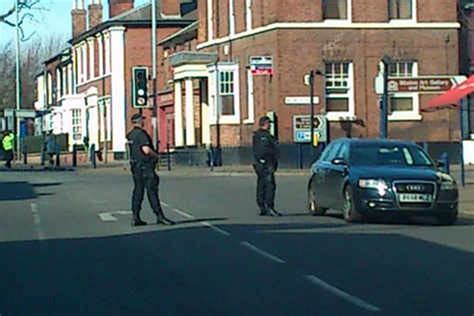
[(139, 87)]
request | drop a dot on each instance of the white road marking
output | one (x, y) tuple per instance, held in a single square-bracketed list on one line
[(262, 252), (37, 221), (334, 290), (123, 212), (184, 214), (216, 229), (107, 217)]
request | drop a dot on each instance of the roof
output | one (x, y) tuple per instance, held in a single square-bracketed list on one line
[(375, 141), (141, 16), (188, 31)]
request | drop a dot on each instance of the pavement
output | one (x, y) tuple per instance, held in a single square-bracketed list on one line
[(67, 248)]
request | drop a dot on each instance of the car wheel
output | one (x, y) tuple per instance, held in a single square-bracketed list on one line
[(313, 206), (447, 219), (349, 211)]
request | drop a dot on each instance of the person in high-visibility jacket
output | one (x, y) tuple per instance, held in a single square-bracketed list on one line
[(8, 143)]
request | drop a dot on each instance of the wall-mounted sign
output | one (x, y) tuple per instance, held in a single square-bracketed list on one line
[(302, 128), (261, 65), (300, 100), (421, 85)]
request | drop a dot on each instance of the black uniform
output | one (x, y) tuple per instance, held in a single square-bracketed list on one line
[(144, 175), (266, 156)]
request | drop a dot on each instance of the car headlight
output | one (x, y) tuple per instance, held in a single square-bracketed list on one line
[(447, 182), (377, 184)]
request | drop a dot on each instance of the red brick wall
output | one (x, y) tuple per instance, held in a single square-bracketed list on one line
[(103, 86), (295, 11), (222, 18), (369, 11), (202, 17), (437, 10), (295, 52)]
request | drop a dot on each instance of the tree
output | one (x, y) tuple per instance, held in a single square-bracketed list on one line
[(25, 9), (34, 53)]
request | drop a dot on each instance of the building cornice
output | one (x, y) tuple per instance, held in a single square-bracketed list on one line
[(325, 25)]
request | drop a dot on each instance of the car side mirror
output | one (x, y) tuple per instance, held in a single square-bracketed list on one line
[(440, 164), (339, 162)]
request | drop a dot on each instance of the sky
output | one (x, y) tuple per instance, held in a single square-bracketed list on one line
[(55, 20)]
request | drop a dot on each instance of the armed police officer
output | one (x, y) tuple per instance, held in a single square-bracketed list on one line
[(266, 154), (143, 159)]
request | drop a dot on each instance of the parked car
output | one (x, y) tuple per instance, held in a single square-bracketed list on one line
[(364, 177)]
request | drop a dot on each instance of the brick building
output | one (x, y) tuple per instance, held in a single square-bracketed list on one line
[(102, 56), (217, 97)]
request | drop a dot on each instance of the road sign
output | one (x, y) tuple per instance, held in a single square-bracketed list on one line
[(302, 128), (26, 113), (300, 100), (261, 65)]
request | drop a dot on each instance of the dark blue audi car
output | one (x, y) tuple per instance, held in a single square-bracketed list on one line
[(364, 177)]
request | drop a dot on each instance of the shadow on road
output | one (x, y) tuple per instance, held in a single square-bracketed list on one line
[(194, 271), (16, 191)]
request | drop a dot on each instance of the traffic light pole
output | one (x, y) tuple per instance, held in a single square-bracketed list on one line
[(153, 77), (18, 79)]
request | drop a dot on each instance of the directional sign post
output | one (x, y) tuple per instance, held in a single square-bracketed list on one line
[(302, 128)]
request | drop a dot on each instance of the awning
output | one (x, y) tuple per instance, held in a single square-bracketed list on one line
[(452, 97)]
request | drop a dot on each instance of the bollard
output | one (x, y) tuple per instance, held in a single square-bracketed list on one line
[(211, 157), (58, 157), (74, 156), (92, 156), (168, 157), (25, 153)]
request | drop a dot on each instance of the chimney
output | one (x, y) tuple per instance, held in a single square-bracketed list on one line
[(95, 13), (117, 7), (171, 7), (79, 18)]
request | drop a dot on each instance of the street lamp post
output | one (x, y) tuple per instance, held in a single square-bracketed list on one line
[(18, 79), (311, 104)]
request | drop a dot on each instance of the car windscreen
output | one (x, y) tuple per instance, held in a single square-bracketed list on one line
[(387, 154)]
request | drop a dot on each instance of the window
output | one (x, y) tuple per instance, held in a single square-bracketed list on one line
[(248, 14), (84, 62), (91, 58), (100, 48), (401, 9), (231, 18), (210, 29), (107, 53), (403, 105), (250, 99), (339, 90), (226, 92), (76, 124), (335, 9), (330, 153)]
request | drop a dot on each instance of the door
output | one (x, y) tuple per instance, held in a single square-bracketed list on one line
[(336, 177), (321, 177)]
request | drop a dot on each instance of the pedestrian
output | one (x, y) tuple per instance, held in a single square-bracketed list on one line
[(266, 154), (143, 159), (51, 147), (8, 143)]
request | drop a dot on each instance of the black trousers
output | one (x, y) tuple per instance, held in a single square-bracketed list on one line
[(266, 186), (8, 154), (145, 178)]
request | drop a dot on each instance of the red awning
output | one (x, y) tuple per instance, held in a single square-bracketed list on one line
[(452, 97)]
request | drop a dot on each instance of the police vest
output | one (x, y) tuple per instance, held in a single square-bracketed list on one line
[(8, 142)]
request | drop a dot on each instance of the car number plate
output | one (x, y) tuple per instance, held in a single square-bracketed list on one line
[(415, 198)]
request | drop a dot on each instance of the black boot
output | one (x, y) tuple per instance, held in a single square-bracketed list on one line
[(138, 222), (273, 212), (164, 221)]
